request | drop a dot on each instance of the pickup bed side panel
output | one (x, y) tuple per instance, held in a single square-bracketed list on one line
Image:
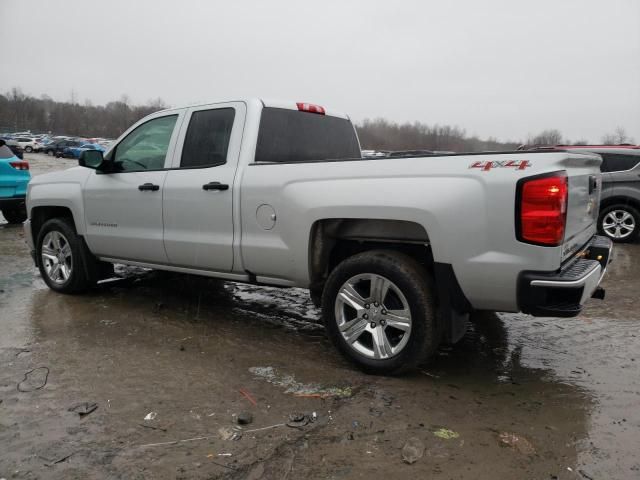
[(468, 214)]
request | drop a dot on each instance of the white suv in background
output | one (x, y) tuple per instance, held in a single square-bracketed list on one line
[(27, 144)]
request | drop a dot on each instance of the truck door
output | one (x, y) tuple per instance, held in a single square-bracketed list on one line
[(123, 208), (198, 199)]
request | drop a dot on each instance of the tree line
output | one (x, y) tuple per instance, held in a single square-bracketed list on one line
[(19, 112)]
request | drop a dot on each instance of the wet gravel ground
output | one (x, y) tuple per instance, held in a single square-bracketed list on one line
[(168, 360)]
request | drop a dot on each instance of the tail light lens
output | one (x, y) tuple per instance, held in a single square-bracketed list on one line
[(20, 165), (542, 209)]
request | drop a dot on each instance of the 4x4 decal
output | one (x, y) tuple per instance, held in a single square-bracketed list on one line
[(488, 165)]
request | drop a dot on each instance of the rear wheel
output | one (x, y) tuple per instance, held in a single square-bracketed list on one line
[(63, 257), (15, 215), (379, 311), (621, 223), (28, 149)]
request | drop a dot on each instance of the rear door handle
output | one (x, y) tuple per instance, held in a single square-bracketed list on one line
[(148, 186), (215, 186)]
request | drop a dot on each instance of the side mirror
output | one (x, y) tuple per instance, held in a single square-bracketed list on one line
[(91, 159)]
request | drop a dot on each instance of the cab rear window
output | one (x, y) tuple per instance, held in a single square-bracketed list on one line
[(294, 136)]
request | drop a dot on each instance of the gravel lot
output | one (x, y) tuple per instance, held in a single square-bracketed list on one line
[(169, 361)]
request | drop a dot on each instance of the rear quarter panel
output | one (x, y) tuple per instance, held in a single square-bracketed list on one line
[(468, 214)]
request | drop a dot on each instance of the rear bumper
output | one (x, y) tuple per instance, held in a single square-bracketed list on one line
[(12, 202), (564, 293)]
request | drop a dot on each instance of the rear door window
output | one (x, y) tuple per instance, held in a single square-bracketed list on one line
[(618, 162), (294, 136), (207, 139)]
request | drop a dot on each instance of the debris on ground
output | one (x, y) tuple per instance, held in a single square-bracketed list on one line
[(244, 418), (265, 428), (41, 375), (299, 420), (248, 396), (230, 433), (516, 442), (83, 408), (175, 442), (152, 427), (413, 450), (51, 463), (291, 385), (446, 434), (150, 416)]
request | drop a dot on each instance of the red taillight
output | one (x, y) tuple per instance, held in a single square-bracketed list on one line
[(20, 165), (542, 209), (309, 107)]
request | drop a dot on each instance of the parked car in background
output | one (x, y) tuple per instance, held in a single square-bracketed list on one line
[(619, 217), (74, 152), (56, 148), (27, 144), (14, 147), (14, 177)]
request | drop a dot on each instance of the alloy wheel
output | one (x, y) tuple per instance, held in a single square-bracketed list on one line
[(618, 224), (57, 257), (373, 316)]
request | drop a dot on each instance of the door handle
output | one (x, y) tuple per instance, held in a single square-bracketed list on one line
[(148, 186), (215, 186)]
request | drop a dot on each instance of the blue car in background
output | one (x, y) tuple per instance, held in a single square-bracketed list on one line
[(74, 152), (14, 177)]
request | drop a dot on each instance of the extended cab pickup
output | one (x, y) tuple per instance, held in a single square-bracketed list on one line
[(398, 251)]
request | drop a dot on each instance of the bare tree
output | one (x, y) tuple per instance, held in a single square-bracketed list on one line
[(23, 112), (618, 137), (546, 137)]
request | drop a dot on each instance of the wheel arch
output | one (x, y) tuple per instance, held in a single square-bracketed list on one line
[(40, 214), (620, 200), (334, 239)]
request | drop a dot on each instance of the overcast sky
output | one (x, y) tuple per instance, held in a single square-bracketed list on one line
[(502, 68)]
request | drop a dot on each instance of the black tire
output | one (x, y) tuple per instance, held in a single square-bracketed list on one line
[(82, 262), (414, 282), (15, 215), (28, 149), (609, 232)]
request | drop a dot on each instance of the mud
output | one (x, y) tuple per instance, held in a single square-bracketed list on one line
[(519, 397)]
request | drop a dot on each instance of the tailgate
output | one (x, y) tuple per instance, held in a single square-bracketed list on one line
[(585, 183)]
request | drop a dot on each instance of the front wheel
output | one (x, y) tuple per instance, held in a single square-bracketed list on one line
[(379, 311), (621, 223), (61, 257), (50, 153), (28, 149)]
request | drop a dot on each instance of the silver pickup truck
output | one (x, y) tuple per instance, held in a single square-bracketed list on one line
[(397, 251)]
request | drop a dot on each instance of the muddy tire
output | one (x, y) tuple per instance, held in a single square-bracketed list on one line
[(15, 215), (65, 263), (620, 222), (379, 311)]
